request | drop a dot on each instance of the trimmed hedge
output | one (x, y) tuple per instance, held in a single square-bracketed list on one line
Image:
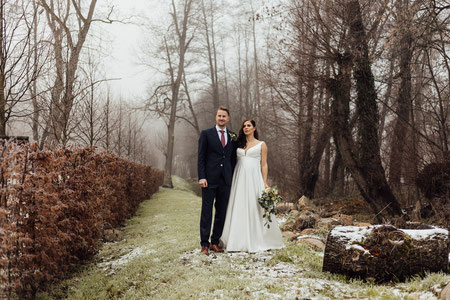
[(54, 206)]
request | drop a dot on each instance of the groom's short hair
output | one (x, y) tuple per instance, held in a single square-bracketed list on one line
[(224, 109)]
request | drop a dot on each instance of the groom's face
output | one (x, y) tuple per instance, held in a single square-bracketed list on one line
[(222, 118)]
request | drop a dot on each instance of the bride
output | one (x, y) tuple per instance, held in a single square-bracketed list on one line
[(244, 228)]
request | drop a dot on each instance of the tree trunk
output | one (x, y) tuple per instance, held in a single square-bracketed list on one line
[(211, 56), (299, 138), (225, 81), (337, 173), (363, 160), (248, 110), (183, 45), (387, 97), (441, 113), (239, 57), (62, 92), (119, 130), (385, 253), (33, 87), (311, 174), (2, 72), (107, 120), (403, 100), (194, 121), (306, 166), (327, 169), (327, 158), (255, 59)]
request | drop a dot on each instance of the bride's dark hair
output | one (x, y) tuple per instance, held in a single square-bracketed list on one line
[(242, 140)]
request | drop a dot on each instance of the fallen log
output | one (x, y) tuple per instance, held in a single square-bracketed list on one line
[(384, 253)]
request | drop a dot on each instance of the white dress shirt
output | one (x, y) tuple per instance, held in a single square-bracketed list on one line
[(220, 134)]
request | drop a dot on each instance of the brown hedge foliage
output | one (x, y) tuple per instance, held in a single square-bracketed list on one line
[(54, 206)]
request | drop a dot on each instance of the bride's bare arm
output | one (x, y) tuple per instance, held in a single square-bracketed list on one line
[(264, 166)]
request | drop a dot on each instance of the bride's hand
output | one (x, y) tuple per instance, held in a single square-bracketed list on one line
[(266, 185)]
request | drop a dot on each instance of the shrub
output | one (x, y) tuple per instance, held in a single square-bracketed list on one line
[(54, 206), (434, 179), (434, 182)]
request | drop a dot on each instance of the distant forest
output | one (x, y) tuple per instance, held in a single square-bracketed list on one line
[(351, 97)]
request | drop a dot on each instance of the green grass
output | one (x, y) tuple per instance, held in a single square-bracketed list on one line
[(168, 226), (165, 235), (300, 255)]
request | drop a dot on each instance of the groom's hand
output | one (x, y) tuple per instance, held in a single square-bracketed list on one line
[(203, 183)]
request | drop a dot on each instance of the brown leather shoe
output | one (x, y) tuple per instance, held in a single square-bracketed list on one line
[(216, 248), (205, 250)]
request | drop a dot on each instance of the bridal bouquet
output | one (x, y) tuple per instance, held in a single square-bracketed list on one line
[(268, 201)]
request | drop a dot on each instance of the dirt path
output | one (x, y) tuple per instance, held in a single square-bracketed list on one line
[(159, 259)]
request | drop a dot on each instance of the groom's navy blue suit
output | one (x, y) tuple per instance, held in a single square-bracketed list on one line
[(216, 165)]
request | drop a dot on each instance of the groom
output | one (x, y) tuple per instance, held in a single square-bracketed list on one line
[(216, 160)]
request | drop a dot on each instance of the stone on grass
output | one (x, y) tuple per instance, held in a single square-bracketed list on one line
[(328, 214), (304, 203), (346, 220), (288, 226), (307, 231), (284, 207), (445, 294), (112, 235), (294, 212), (305, 220), (313, 242), (328, 222), (362, 224), (289, 234)]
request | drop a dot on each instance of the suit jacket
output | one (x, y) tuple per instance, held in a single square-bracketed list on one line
[(215, 161)]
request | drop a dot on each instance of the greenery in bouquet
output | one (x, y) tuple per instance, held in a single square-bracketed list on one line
[(268, 201)]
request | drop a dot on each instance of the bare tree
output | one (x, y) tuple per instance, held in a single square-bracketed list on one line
[(108, 121), (39, 54), (405, 15), (69, 23), (167, 97), (363, 159), (208, 24), (18, 71), (90, 125)]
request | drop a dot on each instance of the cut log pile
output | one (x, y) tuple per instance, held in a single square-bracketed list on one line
[(384, 253)]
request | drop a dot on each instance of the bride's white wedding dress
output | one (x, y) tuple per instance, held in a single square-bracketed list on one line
[(244, 228)]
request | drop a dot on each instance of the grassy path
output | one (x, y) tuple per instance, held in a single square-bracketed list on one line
[(159, 259)]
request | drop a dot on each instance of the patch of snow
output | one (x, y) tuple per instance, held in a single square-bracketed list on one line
[(305, 236), (126, 258), (280, 281), (281, 220), (420, 234), (357, 234), (360, 248), (352, 233), (415, 295)]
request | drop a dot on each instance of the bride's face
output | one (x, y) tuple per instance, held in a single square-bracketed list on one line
[(248, 128)]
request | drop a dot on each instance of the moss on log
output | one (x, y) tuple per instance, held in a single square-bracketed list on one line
[(386, 253)]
